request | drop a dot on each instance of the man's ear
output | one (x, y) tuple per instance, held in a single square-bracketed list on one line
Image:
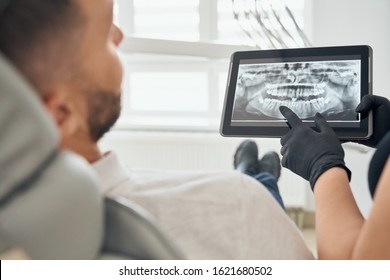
[(59, 106)]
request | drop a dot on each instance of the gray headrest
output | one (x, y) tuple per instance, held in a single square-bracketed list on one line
[(130, 232), (50, 203), (25, 129), (60, 216)]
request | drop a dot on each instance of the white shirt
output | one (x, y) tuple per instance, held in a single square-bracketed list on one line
[(209, 215)]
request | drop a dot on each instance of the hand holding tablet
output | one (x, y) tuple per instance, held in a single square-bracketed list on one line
[(330, 80), (380, 108)]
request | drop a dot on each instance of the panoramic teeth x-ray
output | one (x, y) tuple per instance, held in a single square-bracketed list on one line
[(331, 88)]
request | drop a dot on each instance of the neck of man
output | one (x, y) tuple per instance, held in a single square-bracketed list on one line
[(87, 149)]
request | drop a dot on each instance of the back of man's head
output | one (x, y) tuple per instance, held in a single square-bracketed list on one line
[(41, 38)]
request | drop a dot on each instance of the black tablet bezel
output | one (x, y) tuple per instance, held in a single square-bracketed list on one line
[(364, 131)]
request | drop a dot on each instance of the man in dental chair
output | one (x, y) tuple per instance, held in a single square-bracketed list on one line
[(66, 49)]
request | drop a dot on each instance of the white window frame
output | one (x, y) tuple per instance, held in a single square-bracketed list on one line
[(216, 55)]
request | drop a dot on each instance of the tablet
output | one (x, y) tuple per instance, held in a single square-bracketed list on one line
[(329, 80)]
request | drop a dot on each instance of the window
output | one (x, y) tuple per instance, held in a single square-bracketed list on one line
[(174, 78), (167, 19)]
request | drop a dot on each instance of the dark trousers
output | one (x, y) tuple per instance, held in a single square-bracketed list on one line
[(269, 181)]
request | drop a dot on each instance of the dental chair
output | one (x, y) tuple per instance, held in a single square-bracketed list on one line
[(50, 202)]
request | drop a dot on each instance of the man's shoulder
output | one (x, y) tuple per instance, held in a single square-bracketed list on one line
[(192, 177), (119, 176), (188, 183)]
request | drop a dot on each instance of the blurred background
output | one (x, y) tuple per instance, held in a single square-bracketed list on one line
[(176, 57)]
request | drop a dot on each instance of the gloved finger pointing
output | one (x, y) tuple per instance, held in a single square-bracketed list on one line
[(292, 119)]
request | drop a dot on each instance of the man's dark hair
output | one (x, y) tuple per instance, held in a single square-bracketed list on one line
[(38, 36)]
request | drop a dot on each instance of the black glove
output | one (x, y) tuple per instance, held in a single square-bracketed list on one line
[(380, 107), (310, 152)]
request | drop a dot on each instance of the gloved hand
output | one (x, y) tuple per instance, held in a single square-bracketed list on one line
[(310, 152), (380, 107)]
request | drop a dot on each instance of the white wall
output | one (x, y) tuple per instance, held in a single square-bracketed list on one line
[(353, 22)]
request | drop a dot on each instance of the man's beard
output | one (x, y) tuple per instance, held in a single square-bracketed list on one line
[(104, 108)]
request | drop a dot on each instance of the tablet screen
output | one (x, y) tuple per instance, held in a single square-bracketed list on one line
[(330, 81)]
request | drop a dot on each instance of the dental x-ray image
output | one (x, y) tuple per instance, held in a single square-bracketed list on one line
[(329, 87)]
